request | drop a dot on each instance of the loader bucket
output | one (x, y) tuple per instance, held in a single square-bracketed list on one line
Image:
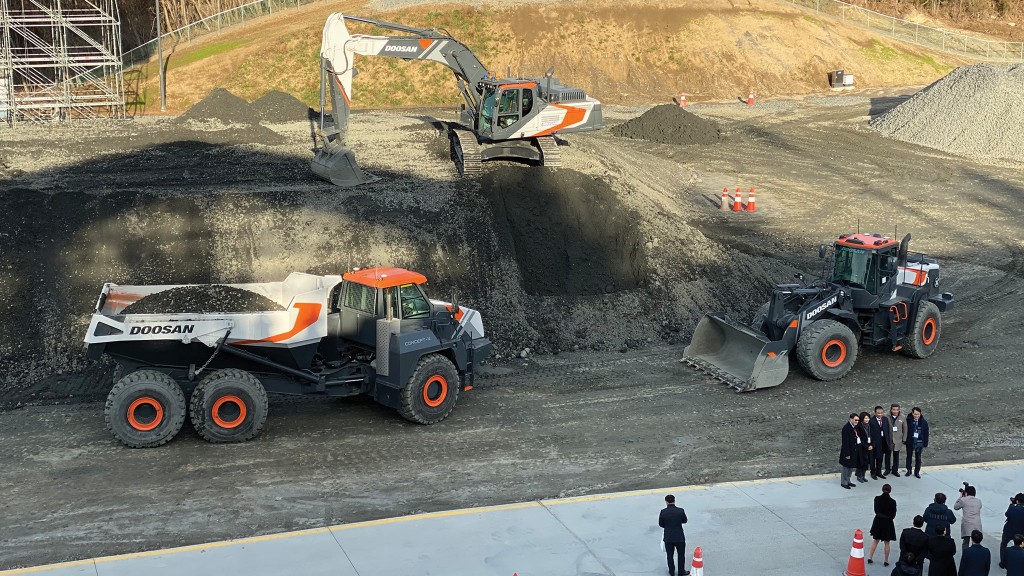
[(339, 167), (736, 355)]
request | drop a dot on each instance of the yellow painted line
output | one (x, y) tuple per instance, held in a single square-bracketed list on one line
[(466, 512)]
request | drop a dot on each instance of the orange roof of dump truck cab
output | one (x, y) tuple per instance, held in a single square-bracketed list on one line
[(385, 277), (865, 241)]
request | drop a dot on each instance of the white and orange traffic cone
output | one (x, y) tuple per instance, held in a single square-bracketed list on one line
[(750, 98), (855, 567), (682, 99), (725, 198), (737, 203), (697, 566), (751, 201)]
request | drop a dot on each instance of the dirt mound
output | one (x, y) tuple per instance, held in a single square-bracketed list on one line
[(276, 106), (669, 124), (974, 111), (222, 106), (569, 233), (202, 300)]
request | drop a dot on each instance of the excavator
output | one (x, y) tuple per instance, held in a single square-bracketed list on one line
[(500, 119)]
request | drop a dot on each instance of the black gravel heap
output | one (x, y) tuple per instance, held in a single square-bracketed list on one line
[(669, 124), (203, 299)]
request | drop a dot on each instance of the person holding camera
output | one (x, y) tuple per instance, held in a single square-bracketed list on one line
[(1014, 525), (897, 438), (917, 440), (970, 519)]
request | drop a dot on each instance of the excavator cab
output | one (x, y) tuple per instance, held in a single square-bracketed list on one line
[(504, 106)]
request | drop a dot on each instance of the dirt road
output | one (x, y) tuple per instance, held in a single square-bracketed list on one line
[(210, 205)]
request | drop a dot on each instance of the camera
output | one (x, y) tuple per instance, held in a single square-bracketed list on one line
[(964, 489)]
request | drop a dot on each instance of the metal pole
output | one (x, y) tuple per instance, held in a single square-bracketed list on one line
[(160, 55)]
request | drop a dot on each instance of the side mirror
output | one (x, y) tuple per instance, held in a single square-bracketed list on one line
[(892, 262), (821, 250)]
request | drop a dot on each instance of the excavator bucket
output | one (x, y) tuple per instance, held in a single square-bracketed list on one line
[(339, 167), (736, 355)]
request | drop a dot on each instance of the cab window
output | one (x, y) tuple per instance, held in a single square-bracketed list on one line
[(414, 304), (360, 297), (527, 101), (508, 108), (487, 110)]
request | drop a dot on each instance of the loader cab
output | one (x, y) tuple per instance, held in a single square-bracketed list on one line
[(504, 105), (866, 264)]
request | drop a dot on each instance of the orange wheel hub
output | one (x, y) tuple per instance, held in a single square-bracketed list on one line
[(833, 353), (435, 391), (145, 413), (929, 331), (230, 404)]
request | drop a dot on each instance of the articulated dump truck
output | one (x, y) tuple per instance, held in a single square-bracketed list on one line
[(371, 331)]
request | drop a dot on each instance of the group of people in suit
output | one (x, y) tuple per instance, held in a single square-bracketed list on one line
[(874, 442), (929, 537)]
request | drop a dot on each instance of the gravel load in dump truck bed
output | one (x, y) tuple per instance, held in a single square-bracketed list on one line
[(974, 111), (669, 124), (203, 299), (276, 106)]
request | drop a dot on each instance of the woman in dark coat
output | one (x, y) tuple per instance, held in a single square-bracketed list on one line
[(864, 460), (883, 528)]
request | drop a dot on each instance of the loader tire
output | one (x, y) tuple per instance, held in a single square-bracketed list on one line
[(827, 350), (760, 318), (923, 338), (229, 405), (144, 409), (432, 391)]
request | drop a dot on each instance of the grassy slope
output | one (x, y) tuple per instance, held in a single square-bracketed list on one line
[(621, 52)]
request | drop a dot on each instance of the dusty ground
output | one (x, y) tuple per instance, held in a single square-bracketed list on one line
[(152, 207)]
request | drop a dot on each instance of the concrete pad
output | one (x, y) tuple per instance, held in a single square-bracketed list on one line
[(311, 553)]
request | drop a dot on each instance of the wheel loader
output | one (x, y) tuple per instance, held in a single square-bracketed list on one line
[(877, 294), (501, 118), (371, 331)]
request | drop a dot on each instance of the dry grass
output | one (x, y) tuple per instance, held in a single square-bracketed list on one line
[(630, 53)]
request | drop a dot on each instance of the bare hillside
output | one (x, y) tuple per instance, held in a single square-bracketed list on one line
[(623, 53)]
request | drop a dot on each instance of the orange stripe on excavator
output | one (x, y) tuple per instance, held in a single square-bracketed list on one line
[(342, 89), (425, 43), (308, 314), (793, 324), (920, 276), (573, 115), (518, 85)]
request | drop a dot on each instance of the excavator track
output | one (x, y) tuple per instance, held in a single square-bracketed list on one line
[(550, 155), (466, 151)]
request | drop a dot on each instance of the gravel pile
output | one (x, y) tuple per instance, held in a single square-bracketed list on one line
[(669, 124), (278, 106), (974, 111), (203, 299), (222, 106)]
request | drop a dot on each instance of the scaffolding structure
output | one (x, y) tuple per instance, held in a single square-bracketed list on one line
[(60, 60)]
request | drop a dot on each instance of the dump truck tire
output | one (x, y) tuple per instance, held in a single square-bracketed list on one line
[(118, 373), (145, 409), (229, 405), (923, 338), (432, 391), (827, 350), (760, 317)]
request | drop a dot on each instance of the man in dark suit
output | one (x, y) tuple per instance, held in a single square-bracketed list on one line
[(848, 452), (976, 559), (1014, 525), (942, 550), (1015, 557), (917, 440), (672, 519), (914, 541), (880, 436)]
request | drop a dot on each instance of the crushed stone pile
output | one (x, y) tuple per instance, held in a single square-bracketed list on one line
[(276, 106), (974, 111), (201, 300), (222, 106), (670, 124)]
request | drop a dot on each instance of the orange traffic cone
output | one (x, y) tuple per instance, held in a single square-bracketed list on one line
[(725, 198), (750, 98), (682, 99), (697, 567), (855, 567), (751, 202), (737, 204)]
